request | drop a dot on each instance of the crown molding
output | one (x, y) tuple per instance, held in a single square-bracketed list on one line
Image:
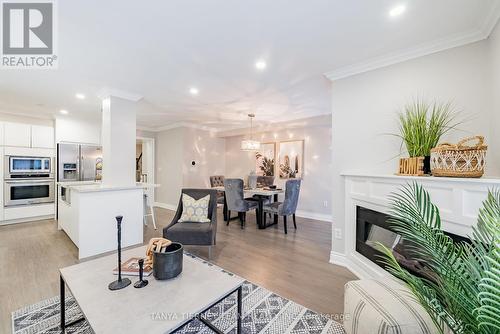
[(491, 20), (240, 130), (40, 116), (184, 125), (107, 92), (146, 128), (475, 35)]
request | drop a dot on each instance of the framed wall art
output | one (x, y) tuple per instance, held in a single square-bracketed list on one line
[(265, 159), (291, 159)]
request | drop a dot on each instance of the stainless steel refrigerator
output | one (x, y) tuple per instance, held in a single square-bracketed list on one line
[(77, 162)]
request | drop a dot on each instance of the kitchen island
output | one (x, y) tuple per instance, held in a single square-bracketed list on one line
[(87, 211)]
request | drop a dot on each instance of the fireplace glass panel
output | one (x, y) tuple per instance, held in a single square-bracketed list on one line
[(379, 234), (372, 227)]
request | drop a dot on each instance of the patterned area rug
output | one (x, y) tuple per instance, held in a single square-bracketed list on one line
[(264, 312)]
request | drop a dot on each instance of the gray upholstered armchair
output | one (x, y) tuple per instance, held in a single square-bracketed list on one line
[(189, 233), (288, 206), (236, 201)]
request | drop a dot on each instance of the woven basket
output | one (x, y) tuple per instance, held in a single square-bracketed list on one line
[(460, 160)]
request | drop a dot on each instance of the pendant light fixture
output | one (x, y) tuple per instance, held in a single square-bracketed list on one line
[(250, 145)]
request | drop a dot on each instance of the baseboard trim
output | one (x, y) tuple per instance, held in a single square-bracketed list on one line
[(313, 215), (26, 220), (165, 206), (361, 270)]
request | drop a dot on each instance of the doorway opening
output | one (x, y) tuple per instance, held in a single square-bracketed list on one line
[(145, 163)]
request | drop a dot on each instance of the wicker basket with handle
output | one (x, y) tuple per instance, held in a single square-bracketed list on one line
[(464, 159)]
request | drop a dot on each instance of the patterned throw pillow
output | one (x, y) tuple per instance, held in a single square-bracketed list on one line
[(195, 211)]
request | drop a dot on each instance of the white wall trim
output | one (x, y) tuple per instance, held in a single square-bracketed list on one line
[(491, 19), (146, 128), (289, 123), (25, 220), (357, 266), (314, 215), (166, 206), (340, 259), (400, 56), (184, 125), (26, 114), (107, 92)]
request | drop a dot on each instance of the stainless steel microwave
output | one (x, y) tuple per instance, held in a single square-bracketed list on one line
[(20, 166)]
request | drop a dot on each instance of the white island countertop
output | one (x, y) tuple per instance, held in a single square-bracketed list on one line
[(95, 186), (88, 210)]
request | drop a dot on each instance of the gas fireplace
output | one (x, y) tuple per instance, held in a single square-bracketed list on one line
[(372, 227)]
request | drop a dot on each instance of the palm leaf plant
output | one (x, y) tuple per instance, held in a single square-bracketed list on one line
[(267, 164), (462, 292), (421, 125)]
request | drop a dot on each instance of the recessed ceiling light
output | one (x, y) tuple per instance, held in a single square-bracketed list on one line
[(80, 96), (396, 11), (63, 111), (194, 91), (260, 65)]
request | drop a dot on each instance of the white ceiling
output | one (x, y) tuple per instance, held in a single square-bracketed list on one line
[(159, 49)]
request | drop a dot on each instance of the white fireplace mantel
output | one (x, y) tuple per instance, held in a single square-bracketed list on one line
[(458, 200)]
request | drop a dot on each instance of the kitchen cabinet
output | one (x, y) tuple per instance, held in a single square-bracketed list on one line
[(29, 211), (27, 135), (17, 134), (42, 136)]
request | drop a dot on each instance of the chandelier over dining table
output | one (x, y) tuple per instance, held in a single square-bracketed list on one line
[(250, 144)]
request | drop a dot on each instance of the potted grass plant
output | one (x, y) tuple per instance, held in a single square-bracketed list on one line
[(421, 125), (461, 292)]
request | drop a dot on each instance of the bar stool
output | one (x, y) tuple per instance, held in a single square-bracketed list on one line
[(151, 211)]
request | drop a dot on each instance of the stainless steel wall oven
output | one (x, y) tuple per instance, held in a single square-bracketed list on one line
[(28, 191), (28, 180)]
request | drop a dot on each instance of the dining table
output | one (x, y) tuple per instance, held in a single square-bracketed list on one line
[(260, 194)]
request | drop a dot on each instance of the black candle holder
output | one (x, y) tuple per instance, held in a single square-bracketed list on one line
[(119, 283), (141, 283)]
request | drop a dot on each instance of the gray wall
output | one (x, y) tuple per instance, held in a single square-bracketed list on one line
[(494, 54), (169, 147), (316, 183), (175, 150), (207, 151)]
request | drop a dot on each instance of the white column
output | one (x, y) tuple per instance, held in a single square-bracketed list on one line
[(118, 141)]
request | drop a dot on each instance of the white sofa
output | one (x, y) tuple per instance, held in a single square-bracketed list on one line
[(383, 307)]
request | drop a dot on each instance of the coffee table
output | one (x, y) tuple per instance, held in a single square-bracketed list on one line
[(160, 307)]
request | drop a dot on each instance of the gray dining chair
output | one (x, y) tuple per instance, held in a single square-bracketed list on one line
[(264, 181), (236, 201), (190, 233), (218, 181), (288, 206)]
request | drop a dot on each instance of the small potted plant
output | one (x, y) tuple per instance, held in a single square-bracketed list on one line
[(421, 125)]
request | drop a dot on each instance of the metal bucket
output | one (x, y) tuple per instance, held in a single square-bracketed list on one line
[(168, 264)]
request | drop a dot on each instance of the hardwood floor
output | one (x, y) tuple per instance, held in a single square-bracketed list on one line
[(294, 265)]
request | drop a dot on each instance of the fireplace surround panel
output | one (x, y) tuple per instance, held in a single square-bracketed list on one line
[(459, 201)]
